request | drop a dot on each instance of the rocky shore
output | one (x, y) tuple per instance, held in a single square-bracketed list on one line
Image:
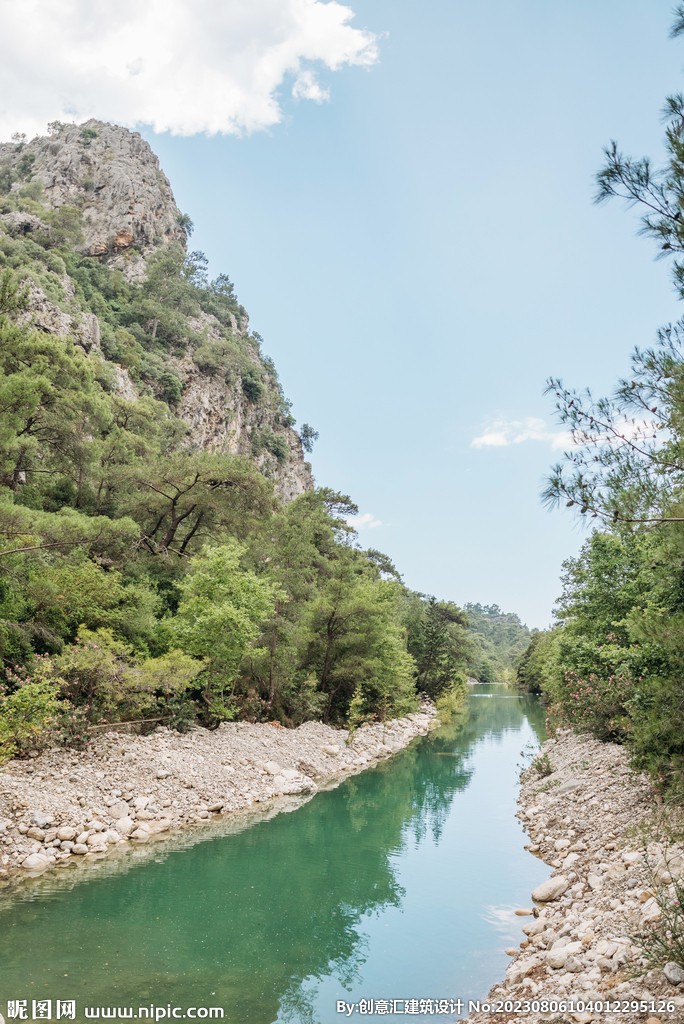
[(62, 806), (598, 826)]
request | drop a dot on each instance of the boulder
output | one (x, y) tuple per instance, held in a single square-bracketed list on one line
[(96, 826), (651, 912), (272, 767), (333, 750), (111, 836), (141, 802), (66, 834), (36, 833), (551, 889), (668, 869), (96, 839), (79, 848), (521, 968), (218, 804), (145, 816), (556, 957), (674, 973), (524, 912), (140, 834), (36, 862), (40, 819), (125, 826), (119, 809), (574, 965), (570, 786), (534, 928)]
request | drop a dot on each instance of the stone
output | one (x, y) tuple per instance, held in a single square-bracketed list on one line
[(140, 834), (333, 750), (668, 869), (79, 848), (561, 844), (66, 833), (595, 881), (674, 973), (95, 839), (118, 809), (125, 826), (524, 912), (111, 836), (141, 802), (631, 858), (571, 859), (289, 774), (651, 912), (556, 957), (511, 951), (521, 968), (272, 767), (145, 815), (36, 833), (216, 806), (40, 819), (96, 826), (534, 928), (574, 965), (570, 786), (36, 862), (616, 871), (551, 889)]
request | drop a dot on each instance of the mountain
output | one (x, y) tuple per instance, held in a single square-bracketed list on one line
[(100, 188)]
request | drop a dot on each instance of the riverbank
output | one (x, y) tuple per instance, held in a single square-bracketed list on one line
[(64, 805), (598, 825)]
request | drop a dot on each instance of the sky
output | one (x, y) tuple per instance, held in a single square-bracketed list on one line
[(401, 193)]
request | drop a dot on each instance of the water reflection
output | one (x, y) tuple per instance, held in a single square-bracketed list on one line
[(209, 925)]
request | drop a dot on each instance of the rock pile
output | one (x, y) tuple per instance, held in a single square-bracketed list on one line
[(63, 805), (578, 945)]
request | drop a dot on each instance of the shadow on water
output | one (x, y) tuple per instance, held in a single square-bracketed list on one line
[(210, 923)]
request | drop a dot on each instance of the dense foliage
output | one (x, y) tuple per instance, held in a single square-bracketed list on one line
[(143, 579), (614, 664)]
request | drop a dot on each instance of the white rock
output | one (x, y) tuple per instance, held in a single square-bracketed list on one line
[(79, 848), (66, 833), (141, 802), (36, 862), (331, 749), (673, 973), (556, 957), (125, 826), (551, 889), (119, 809), (561, 844), (272, 767), (595, 881), (650, 913)]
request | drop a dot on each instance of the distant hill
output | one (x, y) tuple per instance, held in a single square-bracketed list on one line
[(500, 637)]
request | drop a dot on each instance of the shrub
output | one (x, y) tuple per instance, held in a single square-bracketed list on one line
[(252, 386), (26, 717)]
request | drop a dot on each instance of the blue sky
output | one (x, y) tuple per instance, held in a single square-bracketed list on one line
[(420, 251)]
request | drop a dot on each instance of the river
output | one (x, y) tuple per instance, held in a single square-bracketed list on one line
[(400, 883)]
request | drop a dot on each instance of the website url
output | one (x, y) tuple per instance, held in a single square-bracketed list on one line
[(154, 1012)]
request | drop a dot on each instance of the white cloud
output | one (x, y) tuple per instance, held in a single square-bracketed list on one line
[(506, 432), (183, 66), (364, 522)]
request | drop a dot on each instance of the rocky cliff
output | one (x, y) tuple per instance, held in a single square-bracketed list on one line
[(104, 184)]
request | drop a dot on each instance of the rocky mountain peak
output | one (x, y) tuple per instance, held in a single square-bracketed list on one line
[(111, 175)]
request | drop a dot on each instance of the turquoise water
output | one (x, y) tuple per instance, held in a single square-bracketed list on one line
[(397, 884)]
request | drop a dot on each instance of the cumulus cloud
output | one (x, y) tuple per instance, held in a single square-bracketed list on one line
[(365, 522), (506, 432), (183, 66)]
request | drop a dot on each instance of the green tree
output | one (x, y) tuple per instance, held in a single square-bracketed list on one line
[(219, 618)]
